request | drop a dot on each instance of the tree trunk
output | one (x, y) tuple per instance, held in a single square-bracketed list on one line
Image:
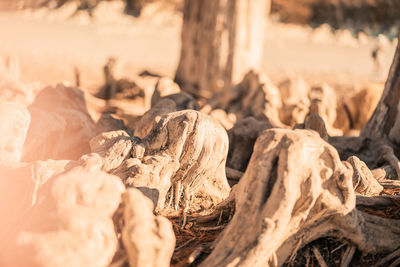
[(221, 40), (379, 140), (385, 121), (134, 6)]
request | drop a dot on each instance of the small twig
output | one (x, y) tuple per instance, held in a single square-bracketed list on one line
[(184, 220), (395, 263), (389, 257), (319, 257), (292, 257), (187, 232), (212, 228), (348, 256), (307, 256), (171, 196), (185, 244), (220, 217), (195, 254), (206, 218), (339, 247), (77, 74), (233, 174)]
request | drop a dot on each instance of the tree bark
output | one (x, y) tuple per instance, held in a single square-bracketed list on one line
[(221, 40), (385, 121), (382, 130)]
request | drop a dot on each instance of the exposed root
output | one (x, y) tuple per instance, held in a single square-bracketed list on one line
[(284, 206), (348, 256), (388, 258), (377, 201), (319, 257), (390, 157), (233, 174)]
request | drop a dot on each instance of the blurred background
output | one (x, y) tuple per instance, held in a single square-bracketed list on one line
[(320, 40)]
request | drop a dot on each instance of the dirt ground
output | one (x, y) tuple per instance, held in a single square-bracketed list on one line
[(49, 45)]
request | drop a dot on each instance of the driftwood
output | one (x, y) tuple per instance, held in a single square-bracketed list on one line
[(148, 239), (185, 153), (61, 125), (280, 208), (153, 116), (112, 147), (80, 226), (363, 180), (381, 133), (168, 89), (256, 96), (295, 102), (314, 122), (241, 141)]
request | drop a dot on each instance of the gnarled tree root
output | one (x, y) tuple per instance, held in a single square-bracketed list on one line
[(294, 191)]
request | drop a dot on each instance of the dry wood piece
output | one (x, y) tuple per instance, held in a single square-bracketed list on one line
[(395, 263), (377, 201), (390, 157), (118, 88), (107, 123), (323, 102), (296, 189), (83, 232), (363, 181), (316, 123), (348, 256), (226, 120), (390, 184), (149, 240), (389, 257), (361, 105), (113, 148), (164, 87), (14, 123), (319, 257), (256, 96), (185, 153), (61, 125), (295, 102), (241, 141), (233, 174), (168, 89), (153, 116), (385, 120)]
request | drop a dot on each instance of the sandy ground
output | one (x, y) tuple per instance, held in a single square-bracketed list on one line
[(50, 44)]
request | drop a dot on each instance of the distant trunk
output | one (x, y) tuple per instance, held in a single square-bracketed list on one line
[(385, 121), (134, 6), (221, 40)]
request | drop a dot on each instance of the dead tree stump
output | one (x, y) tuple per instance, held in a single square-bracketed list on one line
[(220, 41), (294, 191)]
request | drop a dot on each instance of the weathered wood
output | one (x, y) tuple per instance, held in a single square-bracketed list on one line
[(385, 121), (221, 39), (184, 154), (78, 230), (296, 189), (149, 240)]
